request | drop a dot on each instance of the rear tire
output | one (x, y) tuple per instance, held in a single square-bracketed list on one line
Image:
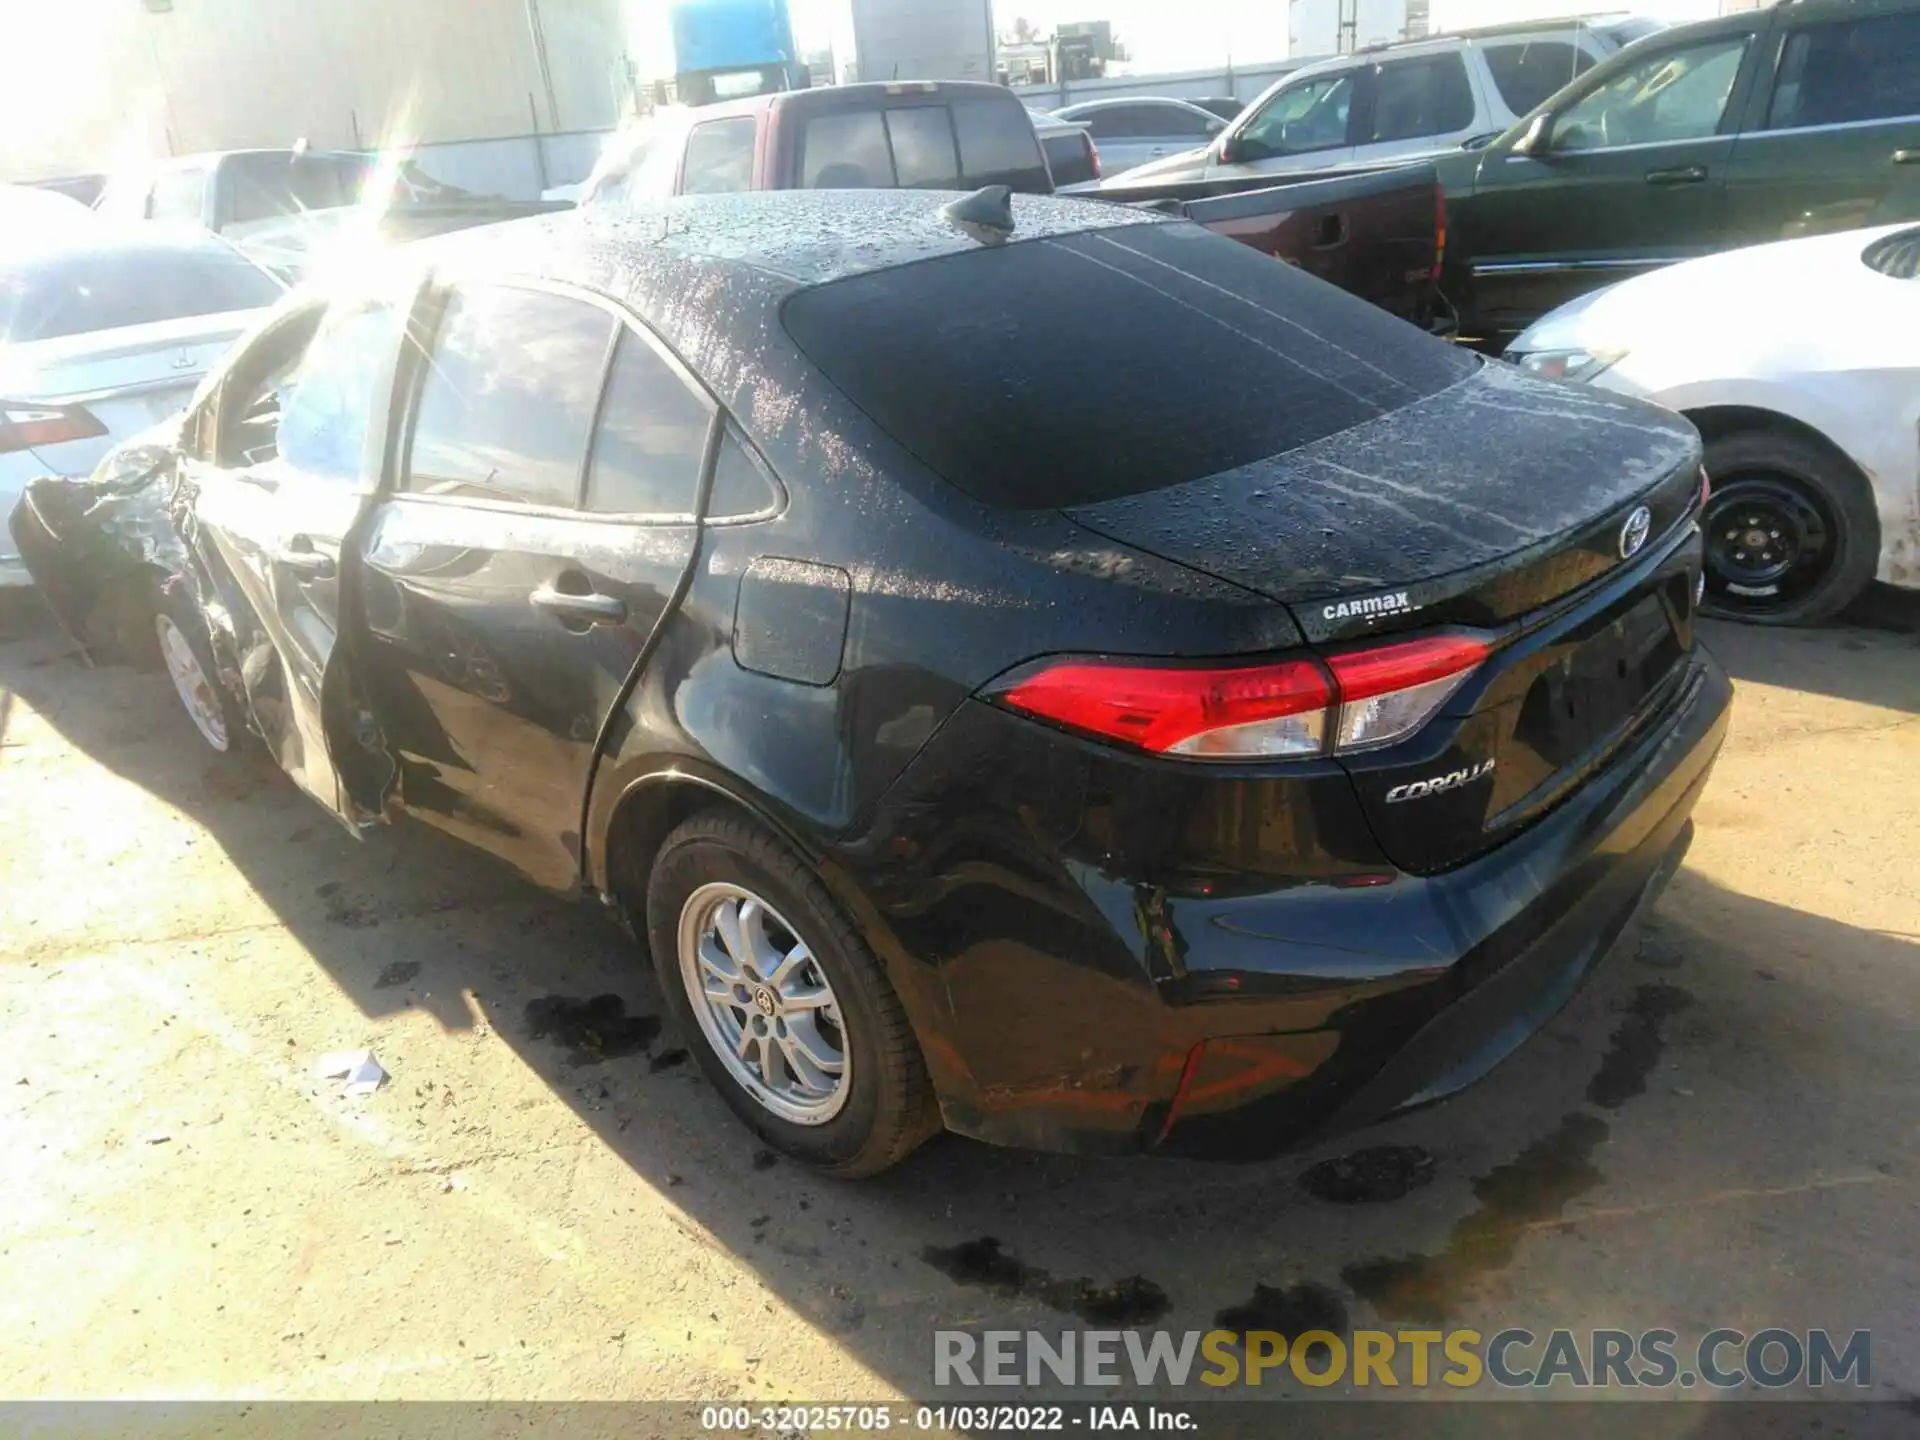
[(853, 1121), (187, 656), (1792, 530)]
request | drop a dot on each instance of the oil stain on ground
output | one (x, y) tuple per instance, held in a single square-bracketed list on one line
[(1132, 1300), (1533, 1188), (1636, 1045), (591, 1030), (1292, 1312), (1379, 1172)]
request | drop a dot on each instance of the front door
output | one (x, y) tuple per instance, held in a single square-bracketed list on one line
[(1627, 176), (542, 523), (299, 438), (1834, 142), (1307, 125)]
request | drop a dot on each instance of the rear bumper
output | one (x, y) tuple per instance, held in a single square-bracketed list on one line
[(1125, 1017)]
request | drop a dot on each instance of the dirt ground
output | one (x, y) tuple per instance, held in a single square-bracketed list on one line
[(1720, 1130)]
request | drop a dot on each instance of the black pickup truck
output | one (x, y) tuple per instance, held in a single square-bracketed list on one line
[(1377, 233)]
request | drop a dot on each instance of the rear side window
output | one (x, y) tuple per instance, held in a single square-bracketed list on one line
[(1209, 356), (1527, 72), (179, 193), (846, 151), (1114, 122), (1414, 98), (1848, 71), (75, 292), (652, 437), (330, 400), (997, 144), (923, 154), (508, 399), (719, 157), (740, 486)]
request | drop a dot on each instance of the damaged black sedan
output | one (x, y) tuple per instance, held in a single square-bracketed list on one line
[(1085, 686)]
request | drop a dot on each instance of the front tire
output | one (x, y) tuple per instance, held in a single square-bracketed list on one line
[(188, 657), (1792, 532), (788, 1011)]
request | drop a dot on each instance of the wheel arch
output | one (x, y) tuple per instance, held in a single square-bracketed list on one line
[(648, 810), (1719, 420)]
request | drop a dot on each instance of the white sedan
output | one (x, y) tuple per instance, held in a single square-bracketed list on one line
[(1800, 363), (104, 330)]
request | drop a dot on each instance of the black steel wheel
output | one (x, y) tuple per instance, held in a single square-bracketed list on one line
[(1791, 532)]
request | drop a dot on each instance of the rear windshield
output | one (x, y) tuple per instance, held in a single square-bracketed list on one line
[(1106, 363), (73, 292), (965, 144)]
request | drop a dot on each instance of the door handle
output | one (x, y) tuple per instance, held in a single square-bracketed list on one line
[(301, 558), (1906, 157), (1684, 175), (593, 608)]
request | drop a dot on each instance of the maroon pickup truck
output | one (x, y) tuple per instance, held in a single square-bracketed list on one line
[(1375, 233)]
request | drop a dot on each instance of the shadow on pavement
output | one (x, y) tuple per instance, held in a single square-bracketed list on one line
[(1871, 656), (1690, 1144)]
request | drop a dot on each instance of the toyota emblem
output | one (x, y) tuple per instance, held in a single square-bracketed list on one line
[(1634, 533)]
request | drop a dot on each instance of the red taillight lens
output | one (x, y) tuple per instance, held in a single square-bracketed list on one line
[(1093, 152), (26, 425), (1358, 700), (1439, 229), (1706, 487), (1243, 711)]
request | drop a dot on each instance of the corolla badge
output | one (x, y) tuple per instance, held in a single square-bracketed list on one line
[(1634, 533), (1452, 780)]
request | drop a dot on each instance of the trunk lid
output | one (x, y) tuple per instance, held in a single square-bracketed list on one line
[(128, 379), (1506, 505), (1472, 506)]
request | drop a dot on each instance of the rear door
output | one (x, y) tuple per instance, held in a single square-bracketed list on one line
[(542, 521), (1413, 107), (300, 440), (1833, 142), (1631, 175)]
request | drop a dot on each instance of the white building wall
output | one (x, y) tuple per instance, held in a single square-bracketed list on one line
[(227, 74)]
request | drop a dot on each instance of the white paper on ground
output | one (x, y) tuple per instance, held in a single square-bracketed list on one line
[(357, 1067)]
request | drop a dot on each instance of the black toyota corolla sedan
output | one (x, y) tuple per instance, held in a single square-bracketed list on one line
[(1085, 685)]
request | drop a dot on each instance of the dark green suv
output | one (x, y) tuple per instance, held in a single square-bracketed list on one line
[(1763, 125)]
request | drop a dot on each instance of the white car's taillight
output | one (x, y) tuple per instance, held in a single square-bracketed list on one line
[(24, 424)]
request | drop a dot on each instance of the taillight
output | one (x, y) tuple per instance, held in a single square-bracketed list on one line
[(1439, 229), (1706, 487), (23, 425), (1093, 152), (1356, 700)]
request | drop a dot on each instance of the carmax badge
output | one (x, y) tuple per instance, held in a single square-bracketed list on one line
[(1452, 780)]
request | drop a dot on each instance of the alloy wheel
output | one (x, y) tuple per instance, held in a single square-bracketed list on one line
[(197, 695), (764, 1004)]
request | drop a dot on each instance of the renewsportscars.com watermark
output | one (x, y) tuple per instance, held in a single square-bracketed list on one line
[(1380, 1359)]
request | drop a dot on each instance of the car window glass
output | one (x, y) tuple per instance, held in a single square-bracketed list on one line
[(1675, 95), (845, 151), (719, 157), (1178, 120), (179, 193), (273, 183), (1424, 96), (508, 399), (77, 290), (740, 486), (1309, 116), (651, 438), (1528, 71), (923, 153), (1115, 122), (330, 398), (997, 144), (1848, 71)]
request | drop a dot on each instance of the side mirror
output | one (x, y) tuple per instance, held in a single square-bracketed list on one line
[(1537, 139), (1223, 150)]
